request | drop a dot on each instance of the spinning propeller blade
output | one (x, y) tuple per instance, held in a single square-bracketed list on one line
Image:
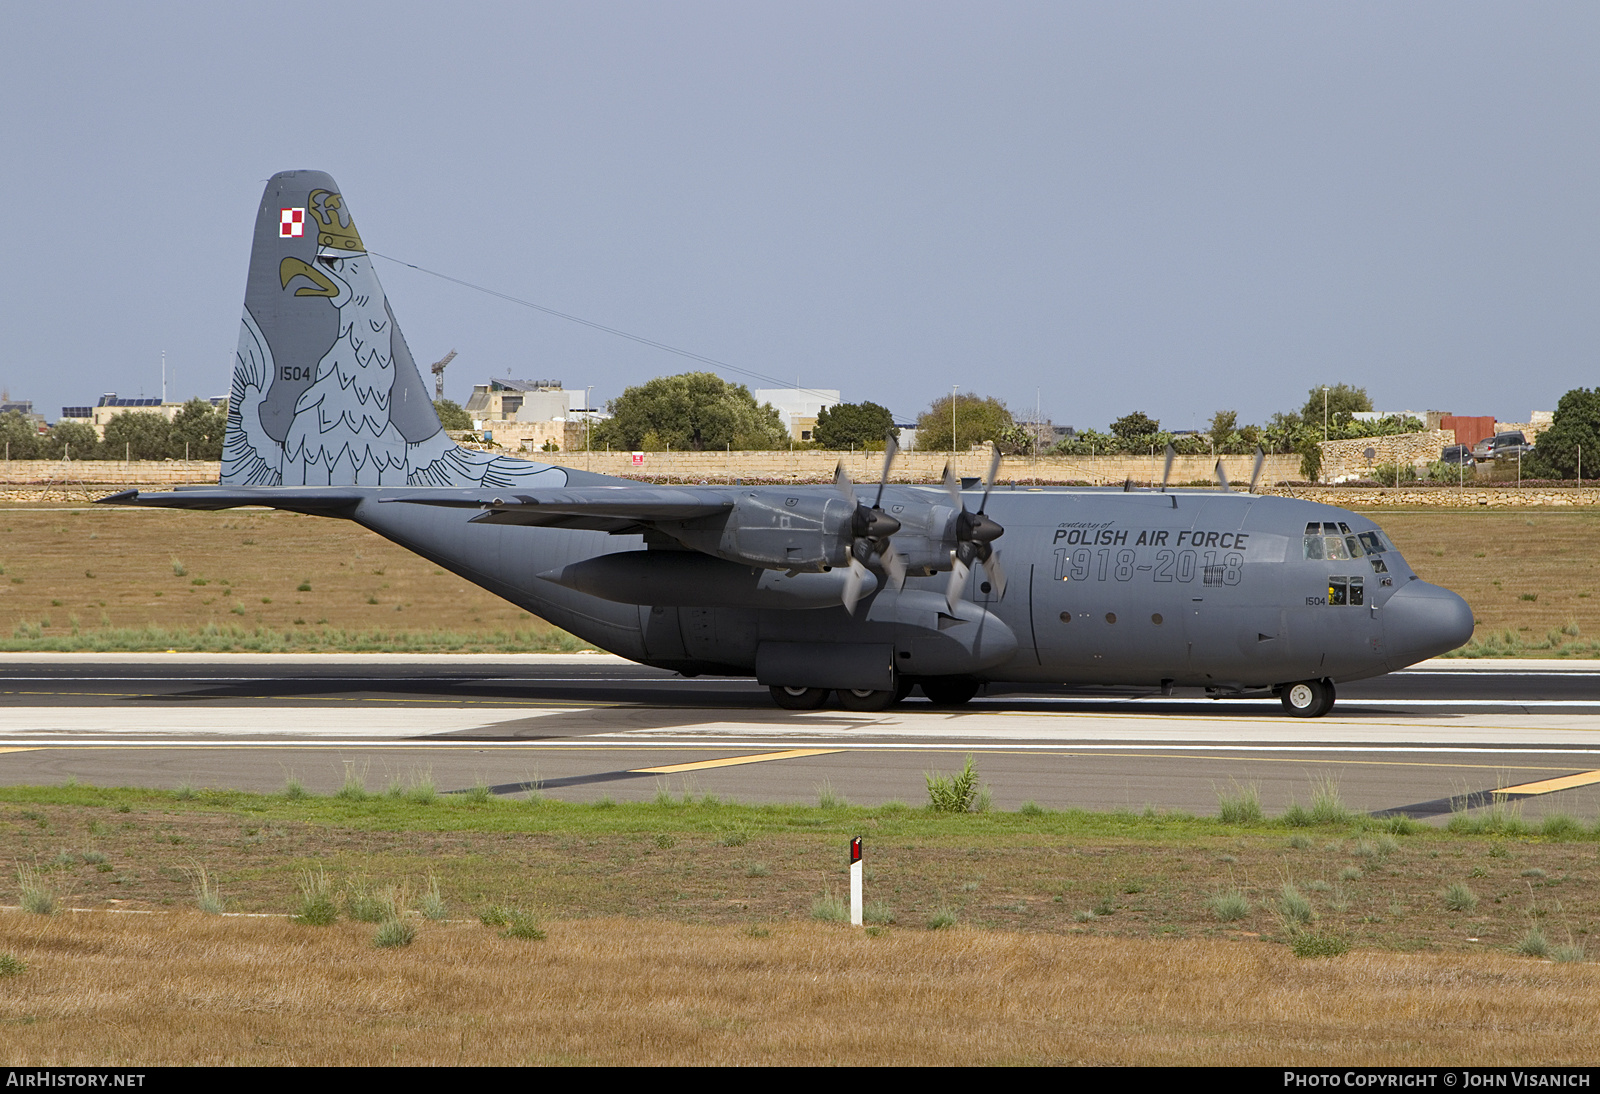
[(870, 532), (975, 534)]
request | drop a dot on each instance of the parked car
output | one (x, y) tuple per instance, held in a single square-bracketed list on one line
[(1508, 446), (1457, 454)]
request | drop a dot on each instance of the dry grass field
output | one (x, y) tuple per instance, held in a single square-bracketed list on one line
[(128, 990), (690, 930), (110, 579), (1531, 575), (151, 579)]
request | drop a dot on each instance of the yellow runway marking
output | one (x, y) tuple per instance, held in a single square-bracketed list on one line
[(34, 749), (701, 765), (1550, 786)]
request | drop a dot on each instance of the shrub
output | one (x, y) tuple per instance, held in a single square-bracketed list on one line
[(1533, 944), (316, 907), (941, 920), (828, 797), (12, 965), (394, 932), (1459, 898), (523, 925), (207, 897), (1229, 906), (1242, 806), (1294, 906), (432, 905), (952, 793), (365, 906), (36, 898), (830, 908)]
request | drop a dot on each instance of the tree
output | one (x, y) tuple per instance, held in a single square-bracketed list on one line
[(19, 436), (451, 416), (694, 410), (977, 419), (137, 435), (74, 440), (1136, 428), (1223, 423), (853, 425), (1576, 424), (1343, 402), (197, 431)]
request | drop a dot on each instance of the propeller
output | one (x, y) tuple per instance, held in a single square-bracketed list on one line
[(1222, 478), (1166, 472), (975, 536), (870, 529), (1255, 474)]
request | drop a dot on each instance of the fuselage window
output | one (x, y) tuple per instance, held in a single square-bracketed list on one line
[(1338, 589)]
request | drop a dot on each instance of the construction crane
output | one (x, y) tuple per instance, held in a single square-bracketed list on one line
[(438, 374)]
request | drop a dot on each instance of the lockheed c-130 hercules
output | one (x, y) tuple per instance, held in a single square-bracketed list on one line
[(813, 590)]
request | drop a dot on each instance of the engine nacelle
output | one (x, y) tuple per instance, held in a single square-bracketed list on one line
[(776, 530)]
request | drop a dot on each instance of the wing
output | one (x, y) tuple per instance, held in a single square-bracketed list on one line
[(597, 508)]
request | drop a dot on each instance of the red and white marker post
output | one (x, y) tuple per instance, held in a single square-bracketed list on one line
[(855, 882)]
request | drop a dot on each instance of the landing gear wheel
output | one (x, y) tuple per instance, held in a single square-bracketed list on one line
[(949, 691), (799, 698), (1308, 698), (856, 699)]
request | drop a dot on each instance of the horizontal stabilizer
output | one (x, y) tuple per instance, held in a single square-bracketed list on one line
[(317, 499)]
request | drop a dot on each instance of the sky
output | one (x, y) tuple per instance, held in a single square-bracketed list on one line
[(1094, 208)]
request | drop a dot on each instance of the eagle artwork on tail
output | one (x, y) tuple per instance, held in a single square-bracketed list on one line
[(341, 428)]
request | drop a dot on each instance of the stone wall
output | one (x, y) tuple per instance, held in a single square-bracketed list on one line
[(1343, 460), (1442, 497), (109, 472)]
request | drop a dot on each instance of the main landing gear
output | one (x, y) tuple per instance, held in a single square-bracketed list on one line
[(1308, 698), (942, 691)]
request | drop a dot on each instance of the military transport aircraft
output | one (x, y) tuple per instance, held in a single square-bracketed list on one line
[(811, 589)]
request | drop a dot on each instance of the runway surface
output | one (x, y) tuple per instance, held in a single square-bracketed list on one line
[(581, 727)]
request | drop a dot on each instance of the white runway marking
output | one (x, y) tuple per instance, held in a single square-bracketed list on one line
[(76, 725), (565, 726)]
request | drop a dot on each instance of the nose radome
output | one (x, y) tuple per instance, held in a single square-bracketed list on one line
[(1422, 621)]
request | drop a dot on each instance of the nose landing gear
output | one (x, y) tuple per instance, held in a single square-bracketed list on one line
[(1308, 698)]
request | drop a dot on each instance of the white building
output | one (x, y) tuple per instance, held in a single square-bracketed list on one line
[(798, 406)]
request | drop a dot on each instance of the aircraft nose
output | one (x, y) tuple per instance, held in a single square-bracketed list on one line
[(1422, 621)]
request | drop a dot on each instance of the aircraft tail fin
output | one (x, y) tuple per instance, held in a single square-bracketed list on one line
[(325, 391)]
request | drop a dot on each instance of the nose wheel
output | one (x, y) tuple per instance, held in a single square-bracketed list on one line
[(1308, 698)]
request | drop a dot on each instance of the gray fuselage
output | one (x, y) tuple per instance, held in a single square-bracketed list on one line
[(1182, 588)]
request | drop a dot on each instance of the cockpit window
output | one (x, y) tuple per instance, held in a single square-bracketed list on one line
[(1321, 542), (1342, 548)]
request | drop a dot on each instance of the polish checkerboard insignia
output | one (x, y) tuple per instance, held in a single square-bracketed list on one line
[(291, 223)]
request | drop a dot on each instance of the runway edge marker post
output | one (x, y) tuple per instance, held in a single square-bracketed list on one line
[(855, 882)]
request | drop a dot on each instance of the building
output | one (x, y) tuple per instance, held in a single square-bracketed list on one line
[(110, 405), (530, 415), (798, 406)]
